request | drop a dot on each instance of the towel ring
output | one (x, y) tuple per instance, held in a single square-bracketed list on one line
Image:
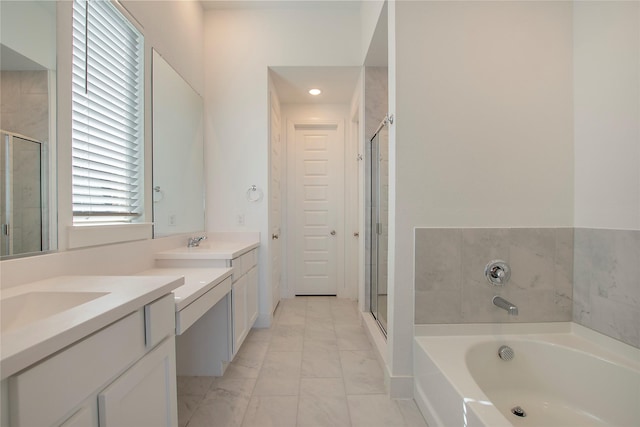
[(159, 191), (254, 194)]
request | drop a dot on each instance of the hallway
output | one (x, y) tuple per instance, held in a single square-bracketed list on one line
[(314, 367)]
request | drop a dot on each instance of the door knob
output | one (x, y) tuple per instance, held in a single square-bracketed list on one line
[(275, 236), (333, 232)]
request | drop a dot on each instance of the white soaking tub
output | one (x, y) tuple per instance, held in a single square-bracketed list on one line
[(561, 374)]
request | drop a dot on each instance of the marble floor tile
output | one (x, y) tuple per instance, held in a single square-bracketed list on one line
[(352, 337), (320, 345), (318, 387), (361, 372), (271, 411), (323, 411), (315, 369), (279, 343), (375, 410), (224, 405), (187, 405), (193, 386), (411, 413), (259, 335), (321, 364)]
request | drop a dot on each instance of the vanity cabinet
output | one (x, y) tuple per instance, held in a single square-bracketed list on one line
[(122, 375), (244, 297), (238, 311)]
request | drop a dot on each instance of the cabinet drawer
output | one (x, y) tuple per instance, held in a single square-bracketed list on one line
[(145, 395), (43, 394), (244, 263), (238, 268), (251, 259), (188, 315), (159, 320)]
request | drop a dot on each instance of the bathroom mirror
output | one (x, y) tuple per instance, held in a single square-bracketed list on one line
[(27, 128), (178, 153)]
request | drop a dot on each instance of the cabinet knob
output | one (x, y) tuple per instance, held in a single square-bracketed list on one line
[(333, 232), (275, 236)]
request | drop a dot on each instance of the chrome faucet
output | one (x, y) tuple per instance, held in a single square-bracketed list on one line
[(194, 242), (505, 305)]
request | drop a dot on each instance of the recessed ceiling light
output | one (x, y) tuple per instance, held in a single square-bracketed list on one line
[(315, 92)]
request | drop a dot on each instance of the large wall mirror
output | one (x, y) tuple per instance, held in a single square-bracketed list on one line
[(178, 153), (27, 127)]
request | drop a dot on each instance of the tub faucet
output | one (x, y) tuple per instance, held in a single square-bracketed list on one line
[(505, 305), (194, 242)]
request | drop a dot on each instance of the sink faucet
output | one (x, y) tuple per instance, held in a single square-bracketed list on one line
[(194, 242), (505, 305)]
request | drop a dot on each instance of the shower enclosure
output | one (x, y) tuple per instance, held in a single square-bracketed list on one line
[(23, 195), (378, 223)]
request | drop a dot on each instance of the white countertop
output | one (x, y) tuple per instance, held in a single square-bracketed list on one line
[(211, 249), (197, 281), (34, 341)]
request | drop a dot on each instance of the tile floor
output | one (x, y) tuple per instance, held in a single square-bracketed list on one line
[(314, 367)]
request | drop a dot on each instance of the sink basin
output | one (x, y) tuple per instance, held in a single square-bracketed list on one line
[(26, 308)]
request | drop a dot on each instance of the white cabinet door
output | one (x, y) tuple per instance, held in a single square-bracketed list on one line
[(252, 297), (84, 417), (145, 395), (239, 301)]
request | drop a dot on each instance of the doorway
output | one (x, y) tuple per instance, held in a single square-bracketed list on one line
[(316, 206)]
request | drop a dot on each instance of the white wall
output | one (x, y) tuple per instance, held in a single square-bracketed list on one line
[(482, 98), (369, 14), (175, 29), (240, 45), (607, 111), (29, 28)]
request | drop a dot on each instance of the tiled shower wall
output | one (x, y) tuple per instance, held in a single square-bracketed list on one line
[(450, 285), (606, 289), (590, 276), (24, 103)]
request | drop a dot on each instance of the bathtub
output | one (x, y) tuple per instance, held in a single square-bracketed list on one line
[(561, 374)]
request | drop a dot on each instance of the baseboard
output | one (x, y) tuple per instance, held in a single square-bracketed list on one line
[(398, 387)]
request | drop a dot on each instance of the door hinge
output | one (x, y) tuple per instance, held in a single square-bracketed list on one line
[(378, 228), (5, 229)]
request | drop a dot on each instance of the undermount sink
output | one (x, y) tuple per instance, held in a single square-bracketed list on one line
[(26, 308)]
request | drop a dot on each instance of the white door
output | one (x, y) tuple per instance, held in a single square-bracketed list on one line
[(318, 208), (275, 191), (145, 395)]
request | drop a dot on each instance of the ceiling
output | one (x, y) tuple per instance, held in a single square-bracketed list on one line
[(279, 4), (338, 84), (14, 61)]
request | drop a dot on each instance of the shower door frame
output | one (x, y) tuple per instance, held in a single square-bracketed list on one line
[(375, 229)]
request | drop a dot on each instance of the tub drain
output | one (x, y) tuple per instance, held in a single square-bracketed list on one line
[(505, 352), (518, 412)]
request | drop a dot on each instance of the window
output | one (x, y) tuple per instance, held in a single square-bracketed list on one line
[(107, 113)]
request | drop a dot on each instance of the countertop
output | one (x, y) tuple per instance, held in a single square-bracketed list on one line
[(27, 344), (211, 249), (197, 281)]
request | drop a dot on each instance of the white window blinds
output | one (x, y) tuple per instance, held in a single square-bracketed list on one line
[(108, 121)]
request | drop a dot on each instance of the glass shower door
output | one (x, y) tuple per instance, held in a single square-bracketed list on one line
[(379, 225), (22, 201)]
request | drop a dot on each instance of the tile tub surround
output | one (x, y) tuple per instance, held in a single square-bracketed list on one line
[(450, 286), (606, 289), (314, 367)]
